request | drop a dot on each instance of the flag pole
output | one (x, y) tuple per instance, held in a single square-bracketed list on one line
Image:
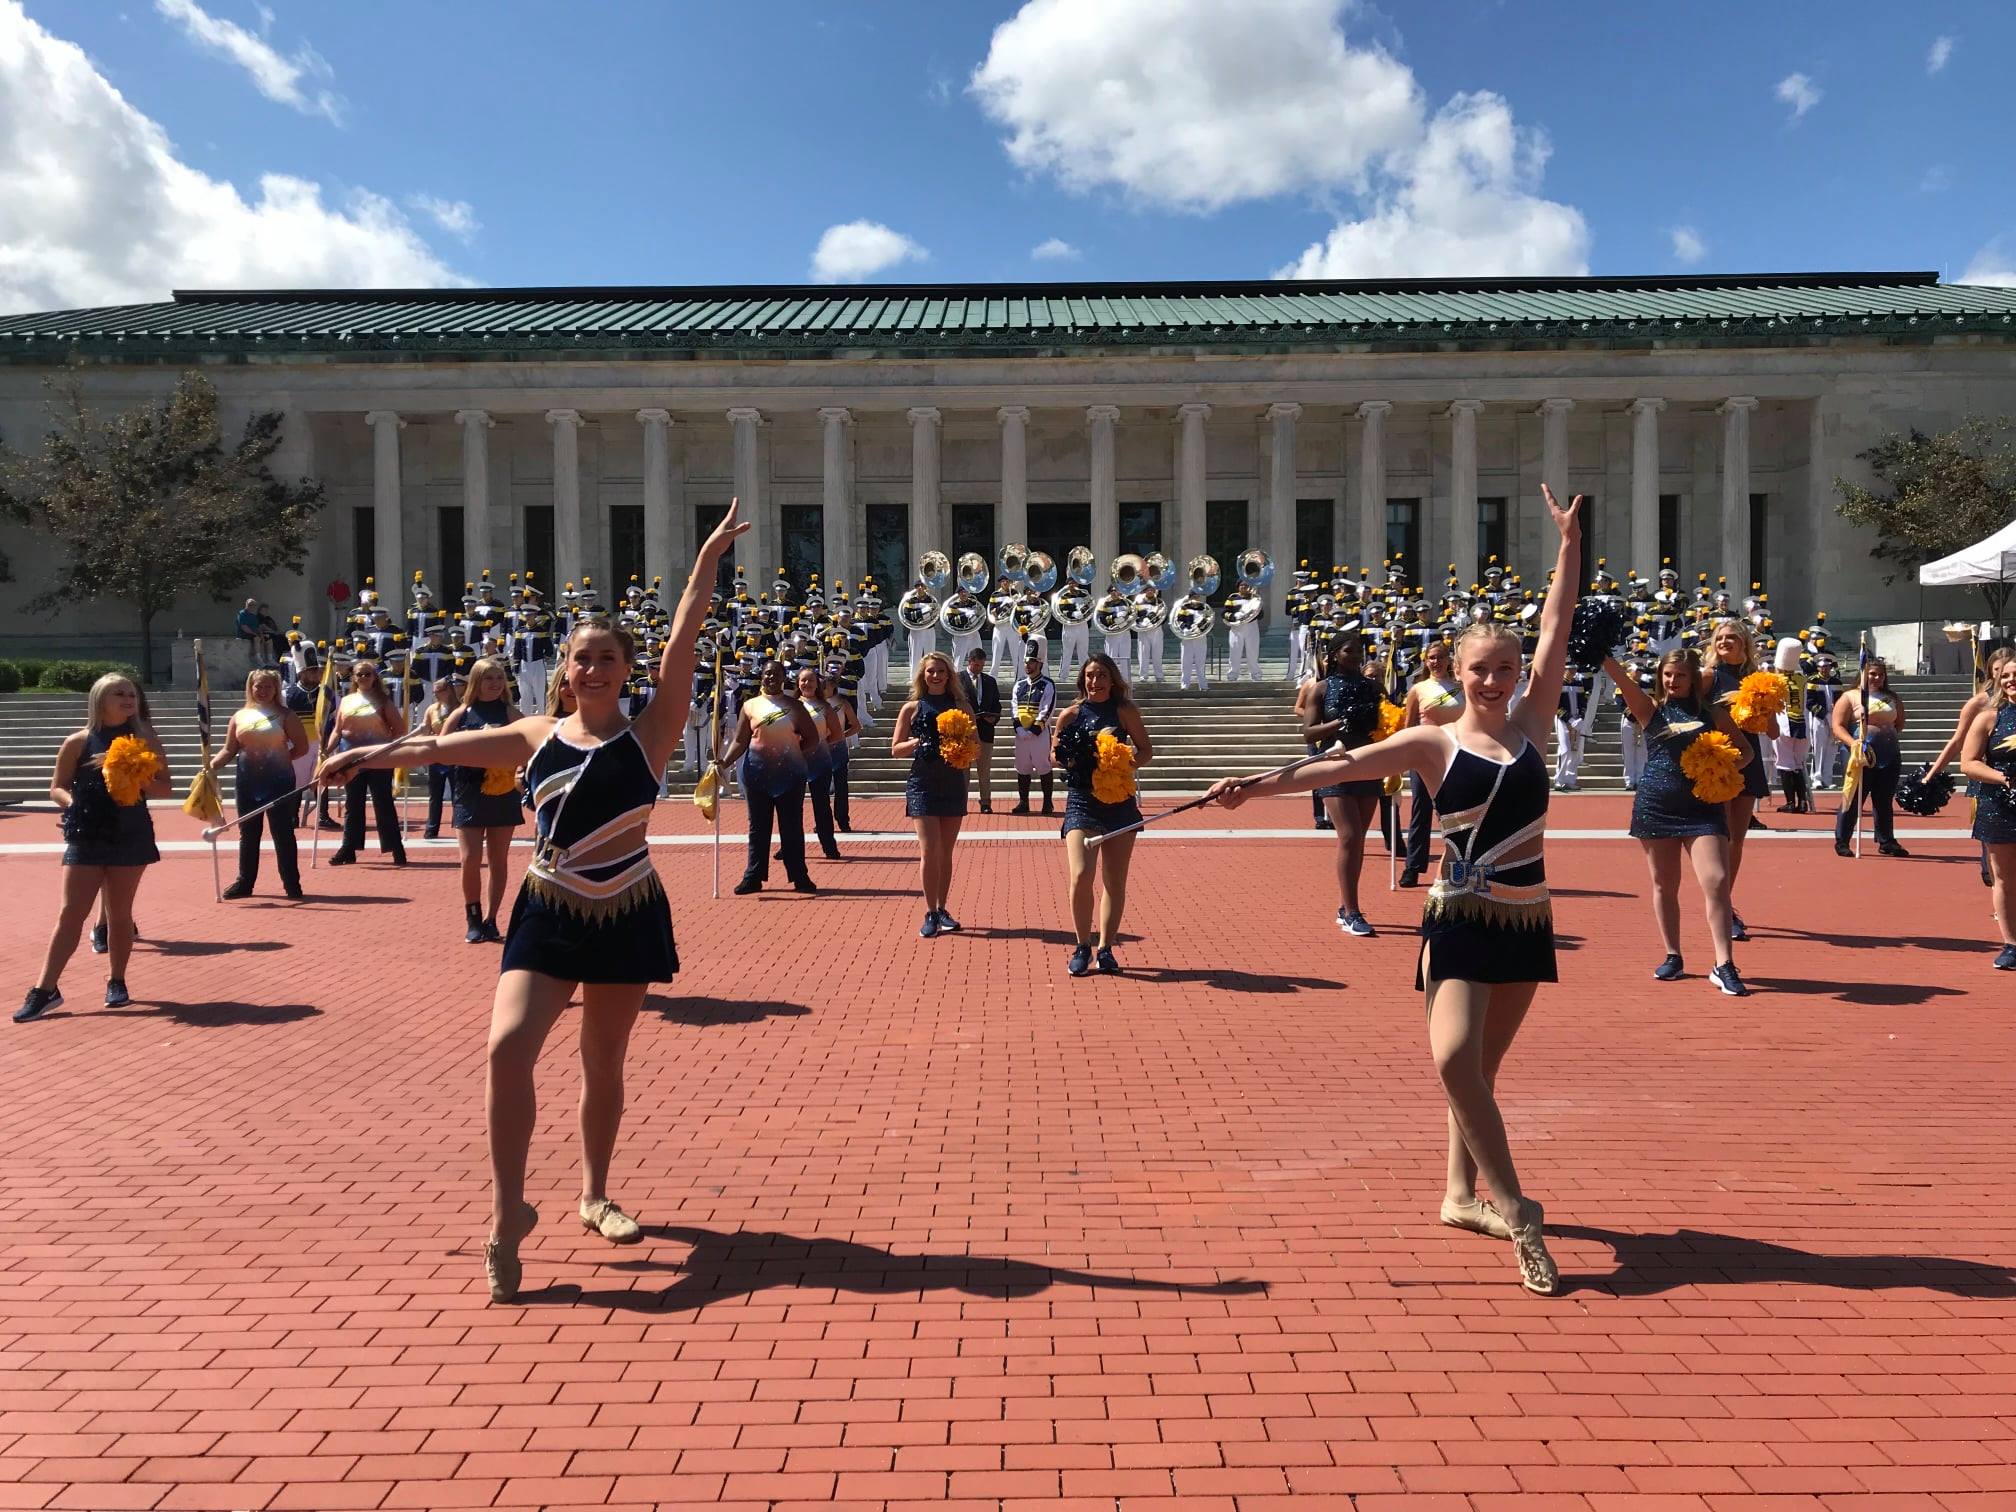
[(714, 760), (323, 714), (1392, 807), (1861, 733), (203, 730)]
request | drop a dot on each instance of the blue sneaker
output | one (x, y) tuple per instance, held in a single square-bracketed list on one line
[(1080, 962), (1354, 924), (1668, 969), (1726, 980), (1107, 965), (946, 923), (930, 925), (2005, 958), (38, 1002), (116, 995), (1736, 930)]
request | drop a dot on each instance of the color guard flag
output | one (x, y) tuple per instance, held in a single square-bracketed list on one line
[(204, 802)]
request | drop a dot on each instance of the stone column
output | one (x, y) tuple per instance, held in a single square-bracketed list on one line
[(1736, 564), (476, 552), (1462, 494), (1554, 445), (1190, 489), (660, 556), (754, 552), (1105, 541), (927, 516), (1014, 420), (1645, 485), (1372, 487), (568, 562), (388, 538), (836, 498), (1281, 489)]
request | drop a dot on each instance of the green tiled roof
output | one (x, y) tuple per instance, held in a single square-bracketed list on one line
[(1021, 319)]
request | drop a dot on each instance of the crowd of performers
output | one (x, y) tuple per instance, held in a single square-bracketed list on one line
[(565, 723)]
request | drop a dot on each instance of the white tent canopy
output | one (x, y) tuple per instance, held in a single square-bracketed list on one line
[(1989, 561)]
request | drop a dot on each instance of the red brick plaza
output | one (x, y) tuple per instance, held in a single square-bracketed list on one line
[(928, 1221)]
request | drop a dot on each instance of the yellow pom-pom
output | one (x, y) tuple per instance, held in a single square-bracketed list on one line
[(129, 766), (1112, 769), (1758, 701), (1713, 765), (958, 739), (1391, 718), (497, 781)]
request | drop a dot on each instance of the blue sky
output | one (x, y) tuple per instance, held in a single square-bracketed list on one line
[(514, 143)]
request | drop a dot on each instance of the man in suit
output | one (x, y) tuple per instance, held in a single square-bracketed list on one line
[(984, 693)]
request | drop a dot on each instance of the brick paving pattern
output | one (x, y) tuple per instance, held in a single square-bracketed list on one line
[(928, 1221)]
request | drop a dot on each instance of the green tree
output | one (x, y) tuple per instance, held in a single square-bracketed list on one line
[(1936, 494), (149, 505)]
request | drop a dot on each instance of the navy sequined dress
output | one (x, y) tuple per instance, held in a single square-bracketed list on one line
[(97, 830), (1665, 807), (933, 790), (474, 808), (1756, 781), (1078, 740), (1355, 700), (1995, 807)]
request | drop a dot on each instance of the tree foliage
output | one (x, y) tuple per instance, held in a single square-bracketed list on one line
[(1935, 494), (149, 505)]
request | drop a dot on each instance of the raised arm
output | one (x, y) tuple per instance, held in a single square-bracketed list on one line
[(1636, 704), (663, 723), (1550, 656)]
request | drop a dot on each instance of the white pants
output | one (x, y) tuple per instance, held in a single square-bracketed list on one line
[(697, 754), (1121, 648), (964, 646), (1190, 665), (875, 676), (1006, 649), (1298, 652), (1567, 750), (922, 644), (532, 679), (1076, 644), (1243, 648), (1032, 751), (1149, 645), (1633, 741)]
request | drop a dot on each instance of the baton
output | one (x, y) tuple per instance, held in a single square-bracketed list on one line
[(1092, 842), (307, 787)]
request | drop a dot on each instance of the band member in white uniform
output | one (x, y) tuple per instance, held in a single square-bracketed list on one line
[(1242, 640), (1119, 643), (1569, 731), (1004, 645), (1190, 664), (1149, 640), (1034, 702), (922, 644), (1074, 648)]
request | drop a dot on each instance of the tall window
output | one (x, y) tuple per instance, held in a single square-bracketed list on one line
[(364, 546), (1403, 537), (1669, 530), (539, 552), (1592, 533), (705, 518), (626, 547), (1056, 528), (1226, 535), (1140, 529), (889, 560), (804, 544), (1759, 540), (1315, 537), (448, 555), (1491, 539), (973, 530)]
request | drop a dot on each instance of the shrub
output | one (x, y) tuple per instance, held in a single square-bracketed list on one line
[(10, 677), (30, 668), (77, 676)]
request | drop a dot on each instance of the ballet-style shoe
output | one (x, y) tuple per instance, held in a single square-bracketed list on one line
[(1537, 1271), (601, 1216), (500, 1260), (1478, 1216)]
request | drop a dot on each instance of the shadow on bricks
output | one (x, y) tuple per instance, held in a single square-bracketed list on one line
[(723, 1264), (1648, 1264)]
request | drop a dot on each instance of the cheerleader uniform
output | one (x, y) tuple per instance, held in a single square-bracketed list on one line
[(265, 774), (1756, 781), (1082, 810), (933, 789), (98, 831), (1995, 806), (1355, 700), (1487, 922), (605, 918), (474, 808), (1664, 807)]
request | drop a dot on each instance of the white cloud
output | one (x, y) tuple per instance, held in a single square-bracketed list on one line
[(1800, 92), (95, 208), (289, 81), (456, 217), (1460, 205), (1937, 179), (860, 249), (1688, 247), (1195, 105), (1991, 265), (1056, 249), (1940, 54)]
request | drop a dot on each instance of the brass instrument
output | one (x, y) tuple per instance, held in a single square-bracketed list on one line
[(1039, 571), (1080, 566), (1001, 602), (934, 571), (1151, 613), (1159, 571), (918, 608), (1255, 568), (963, 614), (1031, 616), (1204, 577), (1113, 613), (1126, 575), (1014, 564), (973, 573), (1072, 604), (1192, 618)]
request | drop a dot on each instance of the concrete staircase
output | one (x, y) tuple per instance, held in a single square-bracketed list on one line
[(32, 727)]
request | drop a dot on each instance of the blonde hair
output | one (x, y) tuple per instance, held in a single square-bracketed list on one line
[(94, 718), (1491, 630), (1709, 660), (485, 666), (557, 692), (1984, 675), (254, 675), (955, 687), (1677, 656)]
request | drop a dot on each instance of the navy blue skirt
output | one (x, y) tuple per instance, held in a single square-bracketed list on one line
[(124, 837), (934, 791), (1995, 816), (1084, 812), (632, 946), (476, 809)]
